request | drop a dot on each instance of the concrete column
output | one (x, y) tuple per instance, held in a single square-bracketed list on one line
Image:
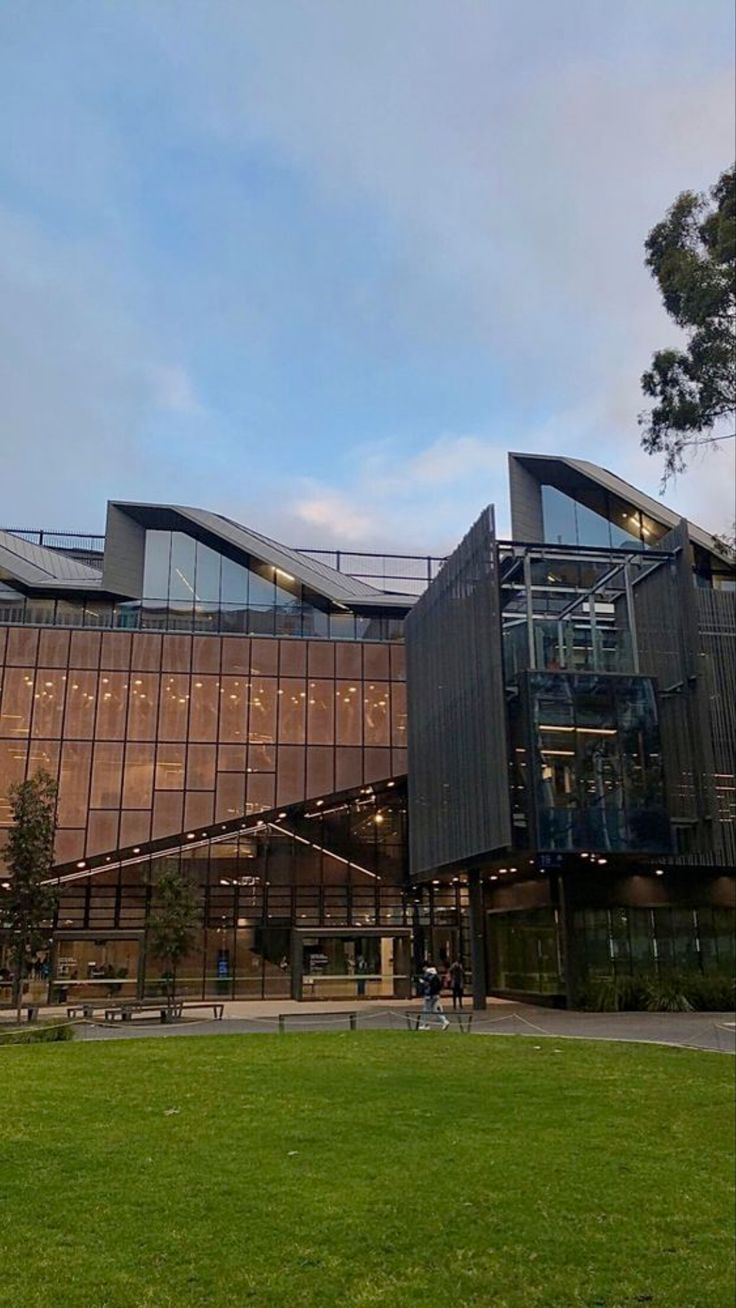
[(477, 939), (567, 941), (297, 964)]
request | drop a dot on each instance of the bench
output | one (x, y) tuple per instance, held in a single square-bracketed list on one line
[(86, 1007), (125, 1011), (217, 1008), (462, 1020), (352, 1018), (168, 1012), (31, 1010)]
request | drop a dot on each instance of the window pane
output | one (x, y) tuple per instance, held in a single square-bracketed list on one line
[(321, 712), (181, 589), (349, 712), (48, 711), (112, 702), (173, 707), (106, 775), (207, 579), (74, 784), (262, 726), (292, 705), (156, 565), (234, 583), (262, 590), (201, 767), (205, 704), (142, 703), (170, 767), (138, 776), (53, 649), (17, 702), (81, 701), (376, 713), (233, 709)]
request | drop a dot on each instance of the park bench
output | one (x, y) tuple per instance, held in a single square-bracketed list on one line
[(87, 1007), (218, 1008), (416, 1017), (31, 1010), (283, 1018), (168, 1012)]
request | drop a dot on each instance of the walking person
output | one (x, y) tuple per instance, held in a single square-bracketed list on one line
[(432, 1006), (456, 974)]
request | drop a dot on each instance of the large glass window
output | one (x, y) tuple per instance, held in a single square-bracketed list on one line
[(156, 565), (207, 579), (597, 763), (181, 590), (569, 522)]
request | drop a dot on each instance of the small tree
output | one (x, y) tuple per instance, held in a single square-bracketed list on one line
[(173, 919), (692, 255), (29, 904)]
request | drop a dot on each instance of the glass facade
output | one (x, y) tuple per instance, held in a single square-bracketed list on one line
[(603, 521), (625, 942), (150, 735), (524, 951), (587, 765), (323, 891)]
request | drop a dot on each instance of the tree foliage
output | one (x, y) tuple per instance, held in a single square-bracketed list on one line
[(692, 255), (29, 904), (173, 919)]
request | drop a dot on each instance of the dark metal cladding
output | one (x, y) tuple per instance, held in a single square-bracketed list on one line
[(458, 792)]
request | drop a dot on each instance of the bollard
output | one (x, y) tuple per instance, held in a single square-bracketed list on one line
[(282, 1024), (352, 1018)]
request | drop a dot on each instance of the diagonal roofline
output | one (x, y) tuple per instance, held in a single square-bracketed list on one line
[(623, 489), (339, 588)]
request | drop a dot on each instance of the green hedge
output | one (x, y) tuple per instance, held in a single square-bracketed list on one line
[(664, 992), (36, 1033)]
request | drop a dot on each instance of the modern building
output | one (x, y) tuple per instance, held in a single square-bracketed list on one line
[(205, 695)]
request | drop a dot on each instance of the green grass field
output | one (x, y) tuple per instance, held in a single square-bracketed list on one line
[(365, 1169)]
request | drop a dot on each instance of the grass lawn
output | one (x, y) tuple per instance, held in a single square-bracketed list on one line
[(367, 1168)]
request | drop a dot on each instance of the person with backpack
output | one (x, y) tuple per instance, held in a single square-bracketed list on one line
[(432, 1007)]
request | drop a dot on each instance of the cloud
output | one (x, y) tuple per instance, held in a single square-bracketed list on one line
[(336, 517), (373, 247), (174, 389)]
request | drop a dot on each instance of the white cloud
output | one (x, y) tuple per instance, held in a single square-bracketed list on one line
[(337, 517), (174, 389)]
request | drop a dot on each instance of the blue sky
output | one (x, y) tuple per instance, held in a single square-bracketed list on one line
[(320, 265)]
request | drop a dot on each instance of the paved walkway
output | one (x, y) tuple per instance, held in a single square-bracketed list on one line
[(709, 1031)]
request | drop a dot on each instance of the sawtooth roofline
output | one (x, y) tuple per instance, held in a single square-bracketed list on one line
[(528, 472)]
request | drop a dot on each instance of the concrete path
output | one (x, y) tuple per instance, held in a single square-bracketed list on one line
[(708, 1031)]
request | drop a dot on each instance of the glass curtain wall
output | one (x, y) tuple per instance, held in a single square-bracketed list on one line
[(604, 521), (150, 735), (630, 942), (591, 763)]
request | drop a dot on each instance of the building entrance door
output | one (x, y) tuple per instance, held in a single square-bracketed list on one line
[(343, 964)]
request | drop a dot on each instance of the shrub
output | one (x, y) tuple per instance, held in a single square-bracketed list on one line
[(712, 994), (666, 994), (37, 1033), (670, 992)]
